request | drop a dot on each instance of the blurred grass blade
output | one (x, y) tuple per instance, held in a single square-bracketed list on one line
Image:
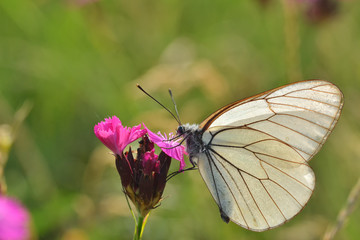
[(8, 135), (345, 212)]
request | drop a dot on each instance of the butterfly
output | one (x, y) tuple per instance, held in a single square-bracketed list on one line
[(253, 154)]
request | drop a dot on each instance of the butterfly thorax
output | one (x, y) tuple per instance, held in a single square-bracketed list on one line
[(192, 134)]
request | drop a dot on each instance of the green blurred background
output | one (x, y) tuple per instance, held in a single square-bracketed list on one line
[(77, 62)]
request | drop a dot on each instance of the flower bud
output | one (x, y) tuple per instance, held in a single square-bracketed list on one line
[(143, 178)]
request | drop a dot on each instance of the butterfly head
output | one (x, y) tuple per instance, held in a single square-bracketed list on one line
[(181, 130), (192, 134)]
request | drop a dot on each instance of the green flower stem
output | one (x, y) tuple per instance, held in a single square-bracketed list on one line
[(139, 227)]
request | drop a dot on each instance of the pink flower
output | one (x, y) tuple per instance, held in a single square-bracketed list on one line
[(150, 162), (144, 175), (116, 137), (172, 148), (14, 220)]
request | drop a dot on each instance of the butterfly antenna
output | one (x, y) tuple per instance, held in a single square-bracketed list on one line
[(177, 113), (159, 103)]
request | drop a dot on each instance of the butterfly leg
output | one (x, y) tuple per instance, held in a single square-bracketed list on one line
[(173, 174)]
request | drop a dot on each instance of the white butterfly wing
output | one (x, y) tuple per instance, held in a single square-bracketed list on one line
[(255, 165), (257, 181), (301, 114)]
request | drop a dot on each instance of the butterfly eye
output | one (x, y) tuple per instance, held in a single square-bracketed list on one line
[(180, 130)]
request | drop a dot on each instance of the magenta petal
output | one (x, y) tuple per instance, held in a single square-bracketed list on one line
[(172, 148), (115, 136), (104, 131), (14, 220), (150, 162)]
